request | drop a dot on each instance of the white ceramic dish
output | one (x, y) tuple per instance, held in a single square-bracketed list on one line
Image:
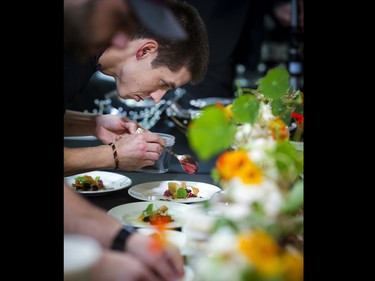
[(112, 181), (129, 213), (153, 191)]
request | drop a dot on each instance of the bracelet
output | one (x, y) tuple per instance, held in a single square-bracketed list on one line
[(121, 237), (114, 154)]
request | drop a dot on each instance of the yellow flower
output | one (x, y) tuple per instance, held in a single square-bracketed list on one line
[(250, 173), (226, 109), (293, 263), (268, 259), (261, 251)]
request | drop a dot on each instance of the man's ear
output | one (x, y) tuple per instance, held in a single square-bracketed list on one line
[(147, 48)]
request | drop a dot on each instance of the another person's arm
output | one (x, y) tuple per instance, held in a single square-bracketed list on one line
[(106, 127), (81, 217)]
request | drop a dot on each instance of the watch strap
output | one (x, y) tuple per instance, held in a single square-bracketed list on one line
[(121, 237)]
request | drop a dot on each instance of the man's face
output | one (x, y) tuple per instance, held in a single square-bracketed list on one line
[(136, 79), (91, 25)]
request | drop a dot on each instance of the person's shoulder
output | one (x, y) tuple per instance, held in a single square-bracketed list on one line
[(81, 68)]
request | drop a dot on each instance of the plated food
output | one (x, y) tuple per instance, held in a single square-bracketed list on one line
[(174, 191), (88, 183), (130, 213), (181, 190), (97, 182), (155, 216)]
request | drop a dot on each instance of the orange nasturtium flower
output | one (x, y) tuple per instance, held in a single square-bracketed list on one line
[(237, 163), (279, 129)]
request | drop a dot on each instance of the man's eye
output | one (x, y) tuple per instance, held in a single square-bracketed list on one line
[(163, 84)]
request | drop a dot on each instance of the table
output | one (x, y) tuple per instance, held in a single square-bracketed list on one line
[(175, 172)]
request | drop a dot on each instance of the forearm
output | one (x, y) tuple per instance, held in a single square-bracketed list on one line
[(83, 159), (81, 217), (79, 124)]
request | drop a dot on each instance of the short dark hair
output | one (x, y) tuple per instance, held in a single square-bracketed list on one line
[(191, 53)]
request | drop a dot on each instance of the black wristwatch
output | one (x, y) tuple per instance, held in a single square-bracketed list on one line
[(121, 237)]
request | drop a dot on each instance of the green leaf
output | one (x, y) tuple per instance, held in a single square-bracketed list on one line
[(280, 109), (294, 199), (275, 83), (222, 222), (288, 161), (210, 133), (82, 180), (245, 109), (148, 211), (79, 178), (299, 106)]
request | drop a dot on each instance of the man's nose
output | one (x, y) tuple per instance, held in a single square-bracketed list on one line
[(158, 95)]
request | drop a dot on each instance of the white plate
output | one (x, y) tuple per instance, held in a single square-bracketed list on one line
[(129, 213), (178, 238), (153, 191), (112, 181)]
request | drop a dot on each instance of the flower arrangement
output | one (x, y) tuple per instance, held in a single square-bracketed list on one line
[(258, 233)]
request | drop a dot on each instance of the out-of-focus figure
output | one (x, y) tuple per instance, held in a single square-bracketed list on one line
[(91, 25)]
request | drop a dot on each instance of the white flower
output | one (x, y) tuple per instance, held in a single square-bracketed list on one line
[(223, 262), (265, 112), (247, 134), (266, 194), (232, 212), (242, 136), (258, 149), (222, 242), (217, 269)]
